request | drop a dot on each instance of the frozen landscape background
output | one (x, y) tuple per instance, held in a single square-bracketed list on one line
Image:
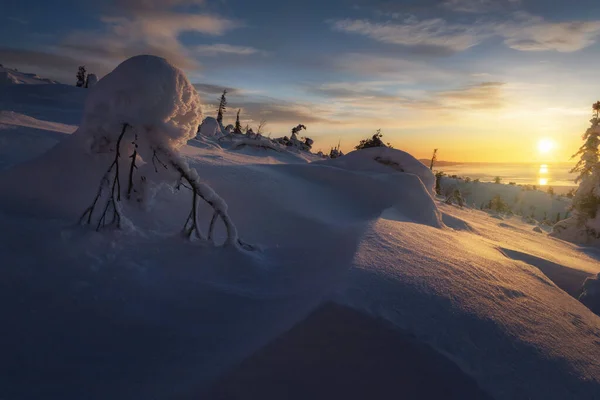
[(557, 175), (359, 280)]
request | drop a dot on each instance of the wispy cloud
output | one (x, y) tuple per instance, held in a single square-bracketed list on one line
[(155, 33), (225, 49), (479, 6), (18, 20), (215, 89), (434, 32), (399, 71), (522, 31), (532, 33), (479, 96), (149, 5), (382, 101)]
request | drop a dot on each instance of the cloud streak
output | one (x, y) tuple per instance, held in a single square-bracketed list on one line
[(531, 33), (523, 31), (225, 49), (155, 32), (434, 32), (480, 96), (479, 6)]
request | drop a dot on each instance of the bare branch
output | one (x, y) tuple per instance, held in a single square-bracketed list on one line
[(115, 193)]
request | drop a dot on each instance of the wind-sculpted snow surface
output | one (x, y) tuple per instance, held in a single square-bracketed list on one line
[(139, 313)]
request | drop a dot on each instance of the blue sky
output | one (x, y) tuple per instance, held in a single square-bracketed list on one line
[(480, 79)]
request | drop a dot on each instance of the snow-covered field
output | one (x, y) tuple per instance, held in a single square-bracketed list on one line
[(483, 306)]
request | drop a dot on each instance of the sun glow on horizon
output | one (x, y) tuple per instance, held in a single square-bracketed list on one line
[(546, 145)]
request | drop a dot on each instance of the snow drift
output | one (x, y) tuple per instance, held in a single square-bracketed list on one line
[(382, 159)]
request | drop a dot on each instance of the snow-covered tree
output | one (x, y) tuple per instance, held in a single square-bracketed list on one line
[(294, 142), (587, 198), (296, 130), (146, 110), (222, 107), (498, 204), (374, 141), (81, 76), (584, 225), (210, 128), (91, 80), (335, 152), (238, 125), (308, 142), (438, 181)]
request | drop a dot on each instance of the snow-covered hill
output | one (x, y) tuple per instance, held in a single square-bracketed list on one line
[(10, 76), (143, 313)]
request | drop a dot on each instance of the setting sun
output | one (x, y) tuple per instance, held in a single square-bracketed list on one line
[(545, 146)]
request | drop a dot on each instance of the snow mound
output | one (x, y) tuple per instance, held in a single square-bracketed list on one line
[(591, 293), (210, 127), (149, 94), (13, 77), (382, 159)]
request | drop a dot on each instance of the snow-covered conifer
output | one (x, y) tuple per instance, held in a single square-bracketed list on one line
[(238, 125), (91, 80), (222, 107), (584, 224)]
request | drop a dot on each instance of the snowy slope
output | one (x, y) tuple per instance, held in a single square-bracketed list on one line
[(535, 203), (10, 76), (142, 313)]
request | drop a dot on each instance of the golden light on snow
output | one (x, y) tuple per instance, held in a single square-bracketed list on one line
[(543, 181), (545, 145), (543, 169)]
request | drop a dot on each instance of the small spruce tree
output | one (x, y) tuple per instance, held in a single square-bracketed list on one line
[(81, 76), (438, 182), (433, 159), (222, 107), (238, 125)]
